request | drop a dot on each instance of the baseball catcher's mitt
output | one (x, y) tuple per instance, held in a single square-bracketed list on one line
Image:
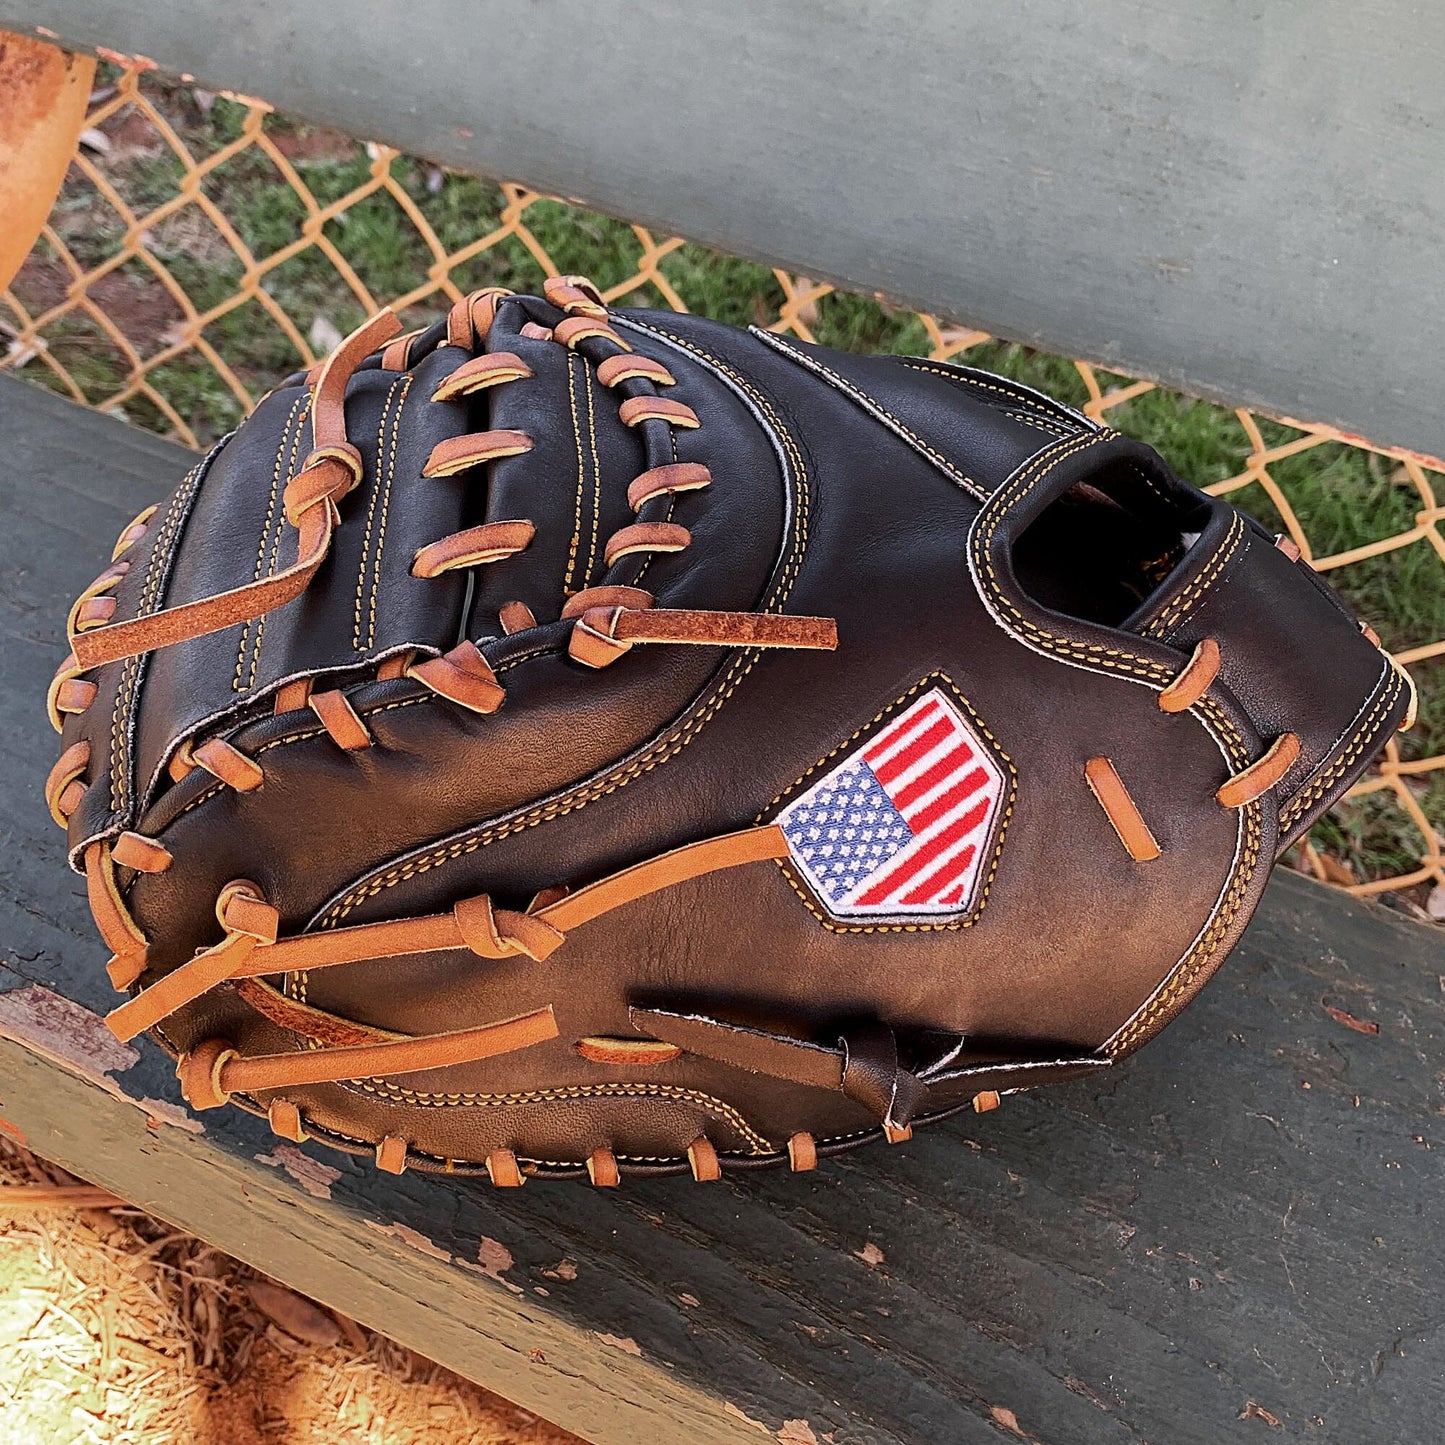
[(565, 742)]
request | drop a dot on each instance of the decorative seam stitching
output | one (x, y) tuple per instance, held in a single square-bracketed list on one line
[(398, 1093), (869, 403), (573, 361), (1016, 393), (291, 420), (1191, 596), (377, 507), (157, 570), (663, 749), (651, 557), (586, 384), (1092, 654), (276, 547), (833, 925), (1197, 959), (366, 1145), (1053, 428), (667, 747), (385, 513), (1316, 787)]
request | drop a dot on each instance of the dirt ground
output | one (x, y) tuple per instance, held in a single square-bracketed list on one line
[(115, 1328)]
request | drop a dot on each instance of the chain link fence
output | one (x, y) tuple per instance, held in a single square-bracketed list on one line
[(203, 246)]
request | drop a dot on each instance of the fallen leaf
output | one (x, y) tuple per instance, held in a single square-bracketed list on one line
[(1255, 1411), (1360, 1026), (97, 141), (298, 1317), (870, 1254), (1435, 903)]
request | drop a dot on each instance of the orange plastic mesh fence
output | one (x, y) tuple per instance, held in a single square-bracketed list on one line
[(202, 248)]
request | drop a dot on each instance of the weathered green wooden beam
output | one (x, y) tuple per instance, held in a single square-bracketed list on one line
[(1247, 1219), (1242, 200)]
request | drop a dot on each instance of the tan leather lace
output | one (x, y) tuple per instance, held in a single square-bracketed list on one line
[(595, 640), (334, 468), (251, 948), (311, 504)]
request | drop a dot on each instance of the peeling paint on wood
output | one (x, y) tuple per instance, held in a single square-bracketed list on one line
[(311, 1174), (797, 1432), (620, 1342), (168, 1112), (412, 1238), (59, 1029), (77, 1040), (730, 1409), (496, 1258)]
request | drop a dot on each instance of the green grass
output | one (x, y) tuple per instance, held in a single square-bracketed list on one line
[(1344, 497)]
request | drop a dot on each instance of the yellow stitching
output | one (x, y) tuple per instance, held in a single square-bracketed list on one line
[(740, 666), (596, 475), (1096, 654), (1093, 655), (1185, 601), (665, 747), (266, 530), (300, 737), (794, 562), (399, 1094), (1194, 962), (832, 924), (276, 544), (573, 361), (381, 488), (1317, 787), (1053, 428), (966, 379), (386, 511), (854, 390), (1050, 422), (130, 674)]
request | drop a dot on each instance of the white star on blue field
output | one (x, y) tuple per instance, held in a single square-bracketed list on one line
[(847, 830)]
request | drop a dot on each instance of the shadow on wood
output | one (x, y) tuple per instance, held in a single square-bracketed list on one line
[(1241, 1230)]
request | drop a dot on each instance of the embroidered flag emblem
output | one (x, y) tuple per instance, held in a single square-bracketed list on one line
[(900, 828)]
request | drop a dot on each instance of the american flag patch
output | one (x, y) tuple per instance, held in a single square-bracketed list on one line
[(900, 828)]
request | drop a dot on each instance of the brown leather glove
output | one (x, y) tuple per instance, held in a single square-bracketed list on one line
[(562, 742)]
